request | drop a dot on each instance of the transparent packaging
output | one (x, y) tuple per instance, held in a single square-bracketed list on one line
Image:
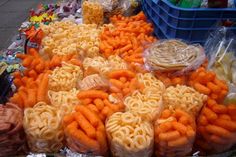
[(129, 135), (175, 133), (12, 137), (173, 55)]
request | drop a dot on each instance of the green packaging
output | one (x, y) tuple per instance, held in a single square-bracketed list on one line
[(190, 3)]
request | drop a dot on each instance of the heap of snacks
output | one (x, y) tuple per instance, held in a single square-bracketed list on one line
[(88, 89)]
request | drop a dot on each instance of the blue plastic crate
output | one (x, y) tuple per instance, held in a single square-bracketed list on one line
[(194, 30)]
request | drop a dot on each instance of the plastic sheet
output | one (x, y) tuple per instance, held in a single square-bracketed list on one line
[(173, 55)]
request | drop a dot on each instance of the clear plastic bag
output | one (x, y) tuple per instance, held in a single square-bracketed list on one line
[(173, 56), (221, 50), (94, 81), (209, 122), (12, 137), (174, 134), (129, 135), (92, 12)]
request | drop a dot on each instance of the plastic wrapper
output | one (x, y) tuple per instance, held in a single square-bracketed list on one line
[(175, 133), (216, 128), (147, 103), (94, 81), (68, 7), (173, 55), (221, 50), (43, 128), (129, 135), (12, 137), (92, 13), (85, 132)]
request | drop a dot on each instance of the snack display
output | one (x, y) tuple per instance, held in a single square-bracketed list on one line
[(12, 136), (86, 88), (175, 132), (129, 136), (174, 55), (185, 98), (43, 129)]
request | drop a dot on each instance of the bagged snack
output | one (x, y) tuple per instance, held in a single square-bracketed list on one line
[(85, 132), (92, 13), (173, 55), (216, 126), (148, 102), (208, 83), (184, 98), (123, 82), (12, 137), (221, 51), (43, 128), (129, 135), (175, 133), (100, 102), (64, 78)]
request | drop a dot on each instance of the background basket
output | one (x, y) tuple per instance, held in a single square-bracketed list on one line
[(190, 24)]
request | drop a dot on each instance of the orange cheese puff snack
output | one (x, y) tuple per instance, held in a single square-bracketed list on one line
[(217, 127), (85, 132), (100, 102), (128, 38), (175, 133), (170, 80), (206, 82), (123, 82)]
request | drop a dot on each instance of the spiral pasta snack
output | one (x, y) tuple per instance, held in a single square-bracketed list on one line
[(185, 98), (65, 78), (85, 132), (129, 135), (174, 134), (43, 128), (12, 137)]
